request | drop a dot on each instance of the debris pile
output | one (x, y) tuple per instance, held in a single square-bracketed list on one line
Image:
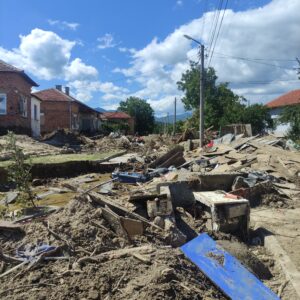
[(64, 137), (131, 233)]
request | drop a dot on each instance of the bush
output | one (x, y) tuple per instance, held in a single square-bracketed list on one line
[(19, 171)]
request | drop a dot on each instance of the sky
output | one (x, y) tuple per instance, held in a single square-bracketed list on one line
[(108, 50)]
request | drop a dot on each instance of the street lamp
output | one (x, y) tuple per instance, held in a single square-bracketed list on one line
[(201, 100)]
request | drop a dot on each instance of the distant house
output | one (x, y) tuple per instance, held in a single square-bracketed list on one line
[(60, 110), (278, 104), (15, 100), (119, 118)]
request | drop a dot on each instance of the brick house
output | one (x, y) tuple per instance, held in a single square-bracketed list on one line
[(60, 110), (277, 105), (15, 99), (120, 118)]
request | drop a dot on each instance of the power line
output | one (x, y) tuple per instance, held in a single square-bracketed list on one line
[(254, 61), (203, 19), (221, 22), (214, 24), (262, 82)]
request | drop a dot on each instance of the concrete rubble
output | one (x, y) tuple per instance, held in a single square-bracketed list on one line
[(98, 236)]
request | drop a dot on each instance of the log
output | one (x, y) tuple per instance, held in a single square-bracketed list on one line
[(114, 254)]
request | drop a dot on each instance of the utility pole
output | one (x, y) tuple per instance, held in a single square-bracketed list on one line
[(201, 100), (174, 122), (168, 120), (201, 110)]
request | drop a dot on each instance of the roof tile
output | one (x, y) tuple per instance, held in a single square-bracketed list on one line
[(290, 98), (116, 115)]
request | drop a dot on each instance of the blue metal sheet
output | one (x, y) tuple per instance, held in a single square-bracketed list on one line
[(130, 177), (225, 270)]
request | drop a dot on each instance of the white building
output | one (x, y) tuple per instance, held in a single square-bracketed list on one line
[(277, 105)]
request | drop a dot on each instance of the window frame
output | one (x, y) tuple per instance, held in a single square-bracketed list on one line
[(23, 107), (4, 95)]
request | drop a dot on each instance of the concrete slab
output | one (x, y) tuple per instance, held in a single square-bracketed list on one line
[(273, 246)]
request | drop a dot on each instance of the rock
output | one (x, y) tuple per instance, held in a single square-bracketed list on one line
[(159, 221), (93, 294), (10, 197), (37, 182), (35, 277)]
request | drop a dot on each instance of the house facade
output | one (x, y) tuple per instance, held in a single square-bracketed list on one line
[(59, 110), (121, 119), (276, 107), (15, 99)]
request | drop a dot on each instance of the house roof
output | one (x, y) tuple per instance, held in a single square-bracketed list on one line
[(5, 67), (290, 98), (56, 95), (116, 115), (52, 95)]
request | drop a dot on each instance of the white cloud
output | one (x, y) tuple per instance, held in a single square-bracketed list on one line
[(106, 41), (43, 53), (268, 32), (77, 70), (179, 2), (129, 50), (63, 24), (48, 56), (85, 89)]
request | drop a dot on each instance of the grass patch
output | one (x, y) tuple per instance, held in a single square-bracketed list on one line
[(61, 158)]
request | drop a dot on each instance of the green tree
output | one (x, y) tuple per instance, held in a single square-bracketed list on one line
[(258, 116), (291, 115), (222, 106), (141, 111)]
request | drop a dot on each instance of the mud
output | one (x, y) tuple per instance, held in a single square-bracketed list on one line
[(251, 262), (168, 275)]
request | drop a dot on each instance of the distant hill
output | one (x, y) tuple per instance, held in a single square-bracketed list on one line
[(179, 117), (103, 110)]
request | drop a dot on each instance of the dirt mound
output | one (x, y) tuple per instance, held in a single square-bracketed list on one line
[(162, 274), (62, 137), (251, 262)]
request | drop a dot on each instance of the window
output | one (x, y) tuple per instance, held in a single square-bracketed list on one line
[(2, 104), (35, 114), (23, 106)]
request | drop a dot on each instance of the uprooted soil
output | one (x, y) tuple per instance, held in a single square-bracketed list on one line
[(167, 274)]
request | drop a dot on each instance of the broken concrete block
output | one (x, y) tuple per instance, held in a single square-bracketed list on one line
[(172, 176), (159, 207), (159, 221), (10, 197), (174, 236), (180, 191)]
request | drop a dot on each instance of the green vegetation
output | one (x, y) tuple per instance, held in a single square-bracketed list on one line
[(141, 111), (222, 106), (49, 159), (291, 114), (19, 171), (110, 126)]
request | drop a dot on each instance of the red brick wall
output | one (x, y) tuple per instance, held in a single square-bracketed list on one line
[(56, 115), (14, 85)]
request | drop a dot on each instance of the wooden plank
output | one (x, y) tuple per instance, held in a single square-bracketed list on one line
[(145, 197)]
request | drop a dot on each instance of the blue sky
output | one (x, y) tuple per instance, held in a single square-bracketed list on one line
[(108, 50)]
